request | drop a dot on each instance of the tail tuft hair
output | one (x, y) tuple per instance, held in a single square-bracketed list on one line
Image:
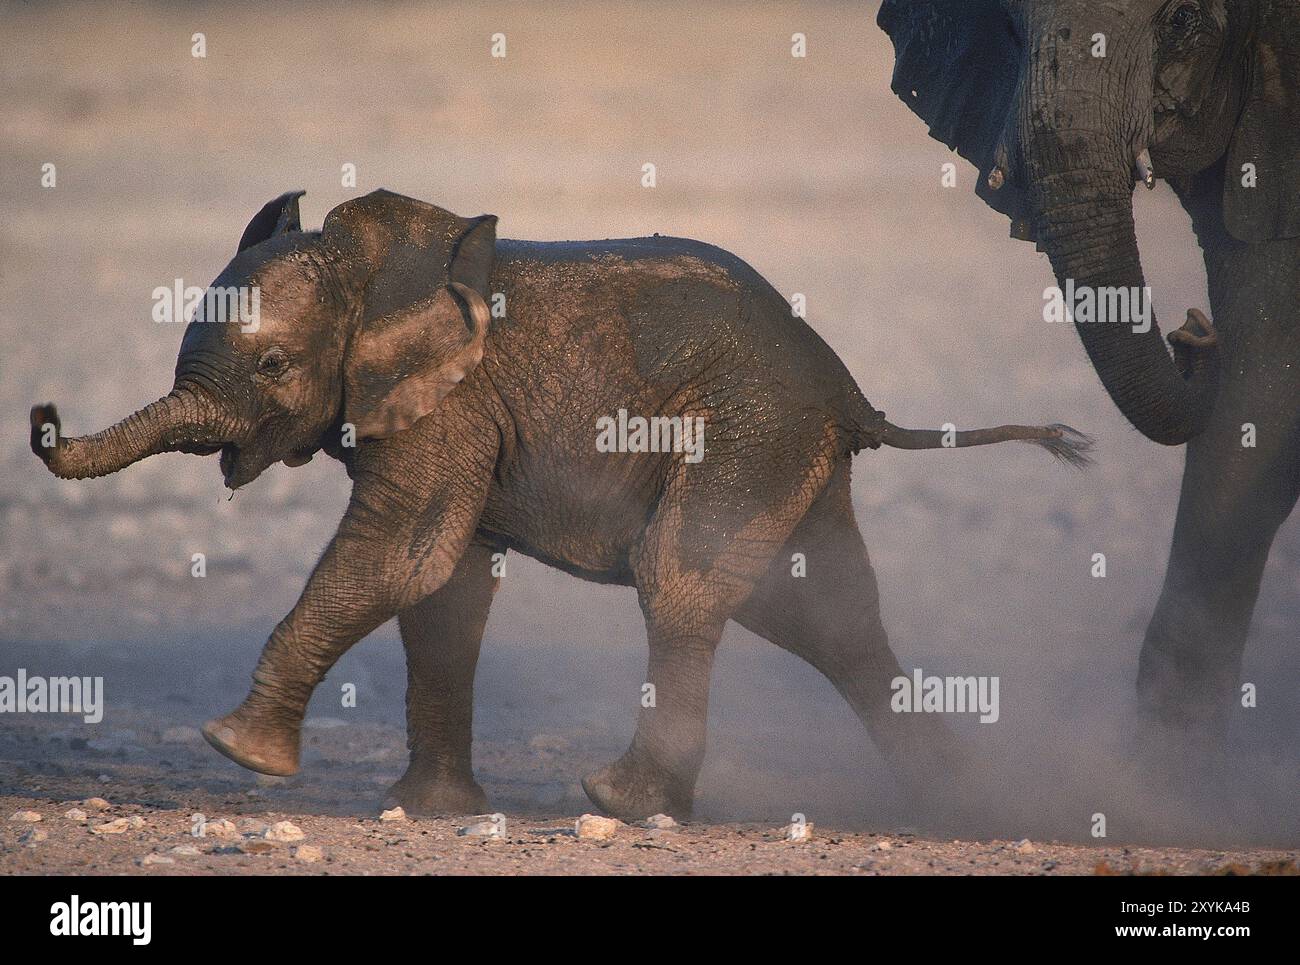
[(1070, 446)]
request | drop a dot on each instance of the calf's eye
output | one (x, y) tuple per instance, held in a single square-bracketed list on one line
[(273, 363)]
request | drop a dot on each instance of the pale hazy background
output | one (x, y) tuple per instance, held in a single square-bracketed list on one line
[(810, 169)]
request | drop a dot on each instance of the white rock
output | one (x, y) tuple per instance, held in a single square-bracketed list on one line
[(395, 814), (96, 804), (284, 831), (152, 859), (221, 828), (27, 817), (593, 827), (883, 846), (1025, 846), (481, 829), (308, 853), (187, 849), (75, 814), (116, 826), (659, 822), (799, 831)]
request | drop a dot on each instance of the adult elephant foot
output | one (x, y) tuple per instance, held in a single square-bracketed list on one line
[(256, 739), (1184, 718), (425, 792), (634, 788)]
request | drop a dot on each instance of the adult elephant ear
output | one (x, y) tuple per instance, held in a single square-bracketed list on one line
[(275, 218), (421, 274), (1262, 181), (957, 66)]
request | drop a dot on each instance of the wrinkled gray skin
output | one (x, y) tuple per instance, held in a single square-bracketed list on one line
[(1206, 87), (476, 436)]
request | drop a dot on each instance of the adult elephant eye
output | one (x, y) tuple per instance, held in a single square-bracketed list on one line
[(1185, 18)]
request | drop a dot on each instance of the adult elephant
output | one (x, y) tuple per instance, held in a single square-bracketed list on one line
[(1063, 105)]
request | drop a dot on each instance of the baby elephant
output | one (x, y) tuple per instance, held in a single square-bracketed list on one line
[(644, 412)]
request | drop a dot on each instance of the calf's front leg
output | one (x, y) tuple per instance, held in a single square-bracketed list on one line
[(415, 504)]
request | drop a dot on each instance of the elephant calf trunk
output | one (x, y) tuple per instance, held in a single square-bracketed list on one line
[(177, 421), (1066, 444)]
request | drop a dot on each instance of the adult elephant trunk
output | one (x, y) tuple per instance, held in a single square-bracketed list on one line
[(184, 420), (1084, 124)]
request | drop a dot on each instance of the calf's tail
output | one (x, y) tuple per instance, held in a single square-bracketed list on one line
[(1066, 444)]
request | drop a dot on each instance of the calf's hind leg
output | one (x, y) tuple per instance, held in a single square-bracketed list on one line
[(701, 555), (441, 635), (831, 618)]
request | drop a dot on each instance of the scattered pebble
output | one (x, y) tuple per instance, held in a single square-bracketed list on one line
[(659, 822), (593, 827), (308, 853), (27, 817), (284, 831), (393, 814), (116, 826), (75, 814)]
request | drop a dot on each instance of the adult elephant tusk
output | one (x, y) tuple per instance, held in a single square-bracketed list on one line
[(1145, 172), (1001, 165)]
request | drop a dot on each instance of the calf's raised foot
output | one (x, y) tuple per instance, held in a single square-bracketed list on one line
[(429, 794), (633, 789), (268, 747)]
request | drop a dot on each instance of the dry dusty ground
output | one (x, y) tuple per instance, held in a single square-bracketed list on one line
[(812, 171), (158, 779)]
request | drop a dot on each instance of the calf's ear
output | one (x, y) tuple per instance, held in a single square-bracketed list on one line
[(423, 317), (275, 218)]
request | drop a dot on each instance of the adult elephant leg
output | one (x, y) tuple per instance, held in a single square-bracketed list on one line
[(441, 635), (831, 618), (1233, 500)]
